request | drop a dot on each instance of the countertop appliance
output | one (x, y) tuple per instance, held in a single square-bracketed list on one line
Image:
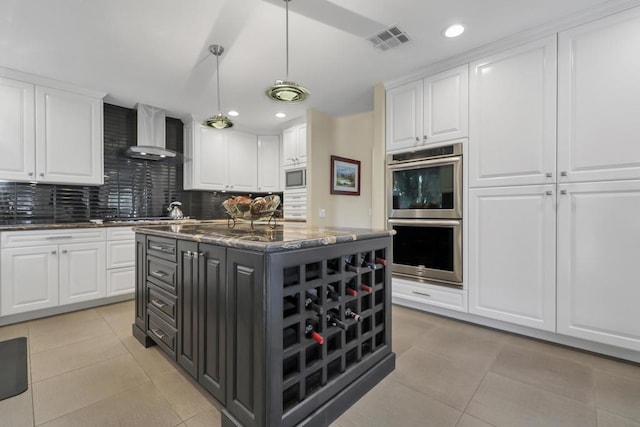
[(175, 212)]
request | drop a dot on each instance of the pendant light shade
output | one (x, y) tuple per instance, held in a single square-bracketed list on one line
[(285, 90), (219, 121)]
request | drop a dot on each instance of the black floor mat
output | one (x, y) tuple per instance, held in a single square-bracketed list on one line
[(13, 367)]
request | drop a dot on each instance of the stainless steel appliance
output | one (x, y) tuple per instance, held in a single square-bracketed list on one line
[(428, 249), (174, 210), (295, 178), (425, 184)]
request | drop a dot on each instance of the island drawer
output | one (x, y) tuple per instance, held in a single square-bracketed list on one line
[(162, 303), (162, 334), (162, 273), (162, 248)]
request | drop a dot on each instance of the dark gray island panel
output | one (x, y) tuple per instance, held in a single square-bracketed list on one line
[(238, 319)]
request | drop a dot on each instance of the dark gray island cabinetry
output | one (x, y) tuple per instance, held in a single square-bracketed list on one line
[(286, 326)]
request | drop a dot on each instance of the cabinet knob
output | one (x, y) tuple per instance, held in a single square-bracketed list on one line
[(563, 191), (563, 173), (424, 137), (417, 139), (201, 254), (549, 175), (548, 193), (30, 174), (42, 175), (53, 252), (231, 186), (64, 251)]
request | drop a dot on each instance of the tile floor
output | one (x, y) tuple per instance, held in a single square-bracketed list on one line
[(87, 370)]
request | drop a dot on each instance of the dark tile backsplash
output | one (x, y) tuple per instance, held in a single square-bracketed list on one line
[(132, 187)]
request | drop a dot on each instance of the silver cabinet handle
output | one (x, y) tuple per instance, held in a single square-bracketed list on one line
[(159, 273), (160, 248), (59, 237), (158, 333), (42, 175), (417, 139), (421, 293), (53, 252), (157, 303), (549, 174), (201, 254), (563, 173), (30, 174), (424, 137), (64, 251), (563, 191), (549, 193)]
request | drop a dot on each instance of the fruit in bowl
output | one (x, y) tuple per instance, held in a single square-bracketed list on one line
[(245, 207)]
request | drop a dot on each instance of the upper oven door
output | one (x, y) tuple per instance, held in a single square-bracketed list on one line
[(425, 189)]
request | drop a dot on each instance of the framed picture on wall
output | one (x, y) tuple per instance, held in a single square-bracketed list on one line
[(345, 176)]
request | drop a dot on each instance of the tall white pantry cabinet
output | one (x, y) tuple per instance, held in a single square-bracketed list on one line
[(529, 207)]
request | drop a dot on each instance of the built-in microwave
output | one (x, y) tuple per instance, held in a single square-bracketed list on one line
[(295, 178)]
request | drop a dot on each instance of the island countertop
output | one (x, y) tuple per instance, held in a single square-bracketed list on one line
[(286, 236)]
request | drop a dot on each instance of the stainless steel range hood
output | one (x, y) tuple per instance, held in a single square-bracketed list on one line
[(151, 135)]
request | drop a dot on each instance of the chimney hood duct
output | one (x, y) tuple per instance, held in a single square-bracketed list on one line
[(151, 135)]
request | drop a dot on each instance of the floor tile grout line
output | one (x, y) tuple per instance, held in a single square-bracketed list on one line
[(424, 394), (73, 342)]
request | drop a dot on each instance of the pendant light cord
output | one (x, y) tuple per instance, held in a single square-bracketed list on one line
[(286, 2), (218, 80)]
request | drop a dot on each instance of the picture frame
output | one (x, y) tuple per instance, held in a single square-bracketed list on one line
[(345, 176)]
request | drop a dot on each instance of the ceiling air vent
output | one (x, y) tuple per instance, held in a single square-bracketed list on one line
[(389, 38)]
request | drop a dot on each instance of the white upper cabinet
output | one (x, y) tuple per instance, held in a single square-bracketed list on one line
[(512, 132), (599, 100), (17, 130), (269, 163), (219, 160), (428, 111), (598, 253), (512, 255), (50, 135), (69, 138), (294, 146)]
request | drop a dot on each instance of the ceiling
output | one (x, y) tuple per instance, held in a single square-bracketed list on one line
[(156, 51)]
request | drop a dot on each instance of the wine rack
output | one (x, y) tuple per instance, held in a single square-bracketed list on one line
[(345, 299)]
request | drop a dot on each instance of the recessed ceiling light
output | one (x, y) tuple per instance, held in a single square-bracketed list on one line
[(233, 113), (281, 115), (453, 30)]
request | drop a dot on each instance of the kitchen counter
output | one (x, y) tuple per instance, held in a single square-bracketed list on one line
[(123, 223), (286, 236)]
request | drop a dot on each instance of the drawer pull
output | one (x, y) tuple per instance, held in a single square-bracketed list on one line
[(158, 333), (59, 237), (159, 273), (158, 303), (421, 293), (166, 249)]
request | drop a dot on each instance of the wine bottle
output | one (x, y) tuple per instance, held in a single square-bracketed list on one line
[(334, 320), (349, 290), (310, 305), (331, 293), (381, 261), (350, 313), (366, 288), (350, 264), (310, 332)]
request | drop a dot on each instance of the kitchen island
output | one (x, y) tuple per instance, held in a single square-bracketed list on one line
[(285, 326)]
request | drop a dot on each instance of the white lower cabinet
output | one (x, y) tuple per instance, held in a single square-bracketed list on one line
[(82, 268), (598, 257), (416, 293), (29, 279), (121, 281), (512, 255), (121, 260)]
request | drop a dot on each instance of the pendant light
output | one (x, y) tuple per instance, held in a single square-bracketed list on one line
[(285, 90), (219, 121)]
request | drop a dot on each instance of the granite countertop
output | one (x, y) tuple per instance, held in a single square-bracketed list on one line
[(286, 235), (60, 226)]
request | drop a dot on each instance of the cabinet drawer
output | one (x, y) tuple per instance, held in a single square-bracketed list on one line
[(120, 233), (162, 248), (162, 303), (453, 299), (121, 253), (162, 273), (162, 334), (20, 239)]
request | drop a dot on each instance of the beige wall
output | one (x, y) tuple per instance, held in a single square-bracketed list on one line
[(351, 137)]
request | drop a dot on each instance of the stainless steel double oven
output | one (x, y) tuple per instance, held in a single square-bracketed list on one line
[(424, 202)]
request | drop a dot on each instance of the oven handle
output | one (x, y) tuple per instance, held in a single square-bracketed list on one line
[(411, 164), (427, 222)]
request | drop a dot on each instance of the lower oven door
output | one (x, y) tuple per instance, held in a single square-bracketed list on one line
[(428, 249)]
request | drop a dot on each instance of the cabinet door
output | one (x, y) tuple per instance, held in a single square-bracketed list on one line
[(243, 161), (404, 116), (245, 330), (599, 100), (512, 255), (121, 281), (446, 106), (289, 147), (141, 284), (29, 279), (82, 272), (269, 163), (212, 320), (188, 306), (17, 132), (513, 117), (598, 253), (68, 138), (210, 164), (301, 158)]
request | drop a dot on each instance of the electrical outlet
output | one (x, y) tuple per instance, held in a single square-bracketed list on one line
[(322, 213)]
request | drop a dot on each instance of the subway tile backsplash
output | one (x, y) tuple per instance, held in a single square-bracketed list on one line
[(132, 187)]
